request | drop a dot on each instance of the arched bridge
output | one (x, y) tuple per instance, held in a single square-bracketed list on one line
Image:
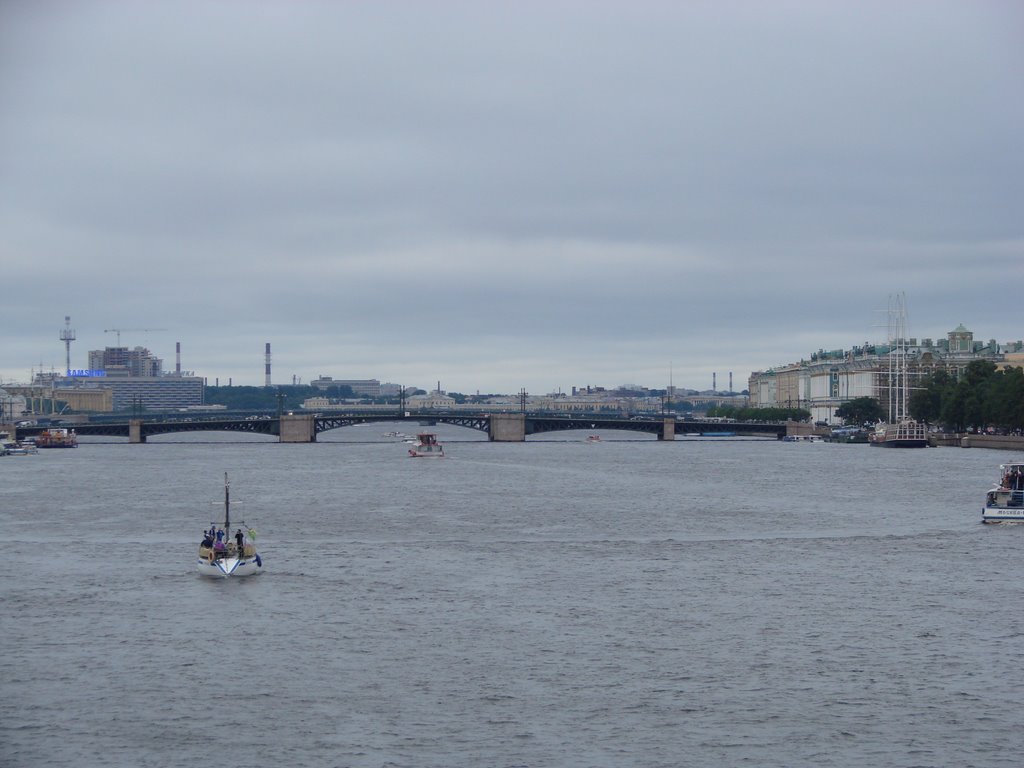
[(499, 427)]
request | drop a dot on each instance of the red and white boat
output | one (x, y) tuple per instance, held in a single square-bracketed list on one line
[(57, 438), (427, 447)]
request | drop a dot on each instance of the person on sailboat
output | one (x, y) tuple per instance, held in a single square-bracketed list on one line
[(239, 540)]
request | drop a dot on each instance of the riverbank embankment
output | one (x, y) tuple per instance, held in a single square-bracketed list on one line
[(1000, 442)]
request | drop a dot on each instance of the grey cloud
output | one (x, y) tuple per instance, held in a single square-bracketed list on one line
[(571, 188)]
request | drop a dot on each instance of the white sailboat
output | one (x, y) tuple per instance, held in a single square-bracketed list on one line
[(900, 430), (223, 554)]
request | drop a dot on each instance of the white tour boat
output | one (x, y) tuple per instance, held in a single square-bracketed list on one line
[(223, 553), (10, 447), (1005, 502), (427, 447)]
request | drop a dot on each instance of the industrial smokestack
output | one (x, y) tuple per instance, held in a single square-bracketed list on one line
[(266, 382), (730, 381), (714, 382), (177, 362)]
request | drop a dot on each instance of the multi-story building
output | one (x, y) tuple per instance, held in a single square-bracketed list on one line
[(123, 379), (90, 398), (830, 378), (148, 393), (121, 361), (360, 387), (12, 405)]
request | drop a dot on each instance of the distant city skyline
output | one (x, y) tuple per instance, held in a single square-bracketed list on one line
[(719, 381)]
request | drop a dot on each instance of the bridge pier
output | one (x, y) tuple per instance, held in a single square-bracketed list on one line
[(799, 428), (508, 428), (297, 429), (668, 429), (135, 431)]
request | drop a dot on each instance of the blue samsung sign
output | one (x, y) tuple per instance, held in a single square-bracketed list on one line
[(84, 372)]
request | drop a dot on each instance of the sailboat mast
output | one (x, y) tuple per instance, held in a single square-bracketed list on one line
[(899, 394), (902, 330), (227, 506)]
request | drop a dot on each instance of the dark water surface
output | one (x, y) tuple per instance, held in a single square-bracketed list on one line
[(555, 603)]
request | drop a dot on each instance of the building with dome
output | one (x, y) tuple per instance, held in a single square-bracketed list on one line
[(822, 383)]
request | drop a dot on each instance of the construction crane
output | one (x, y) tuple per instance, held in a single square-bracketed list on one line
[(138, 330)]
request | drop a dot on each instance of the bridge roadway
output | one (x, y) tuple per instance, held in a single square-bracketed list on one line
[(499, 427)]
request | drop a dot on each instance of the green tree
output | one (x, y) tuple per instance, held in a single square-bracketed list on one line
[(1004, 399), (972, 398), (860, 410), (978, 372), (340, 392), (926, 401), (954, 407), (981, 397), (258, 398)]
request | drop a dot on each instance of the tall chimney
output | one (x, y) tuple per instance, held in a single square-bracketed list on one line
[(177, 363), (730, 381), (714, 382), (266, 382)]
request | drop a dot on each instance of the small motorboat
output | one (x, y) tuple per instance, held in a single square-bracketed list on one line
[(10, 447), (427, 447)]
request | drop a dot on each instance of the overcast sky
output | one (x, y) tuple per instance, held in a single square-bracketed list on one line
[(505, 195)]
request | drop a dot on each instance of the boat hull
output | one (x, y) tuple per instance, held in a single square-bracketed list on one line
[(233, 567), (905, 434), (1002, 515), (897, 443), (1003, 505)]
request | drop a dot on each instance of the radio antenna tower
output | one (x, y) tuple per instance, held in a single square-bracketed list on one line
[(67, 335)]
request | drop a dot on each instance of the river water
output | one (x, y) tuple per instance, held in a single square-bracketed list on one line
[(703, 602)]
